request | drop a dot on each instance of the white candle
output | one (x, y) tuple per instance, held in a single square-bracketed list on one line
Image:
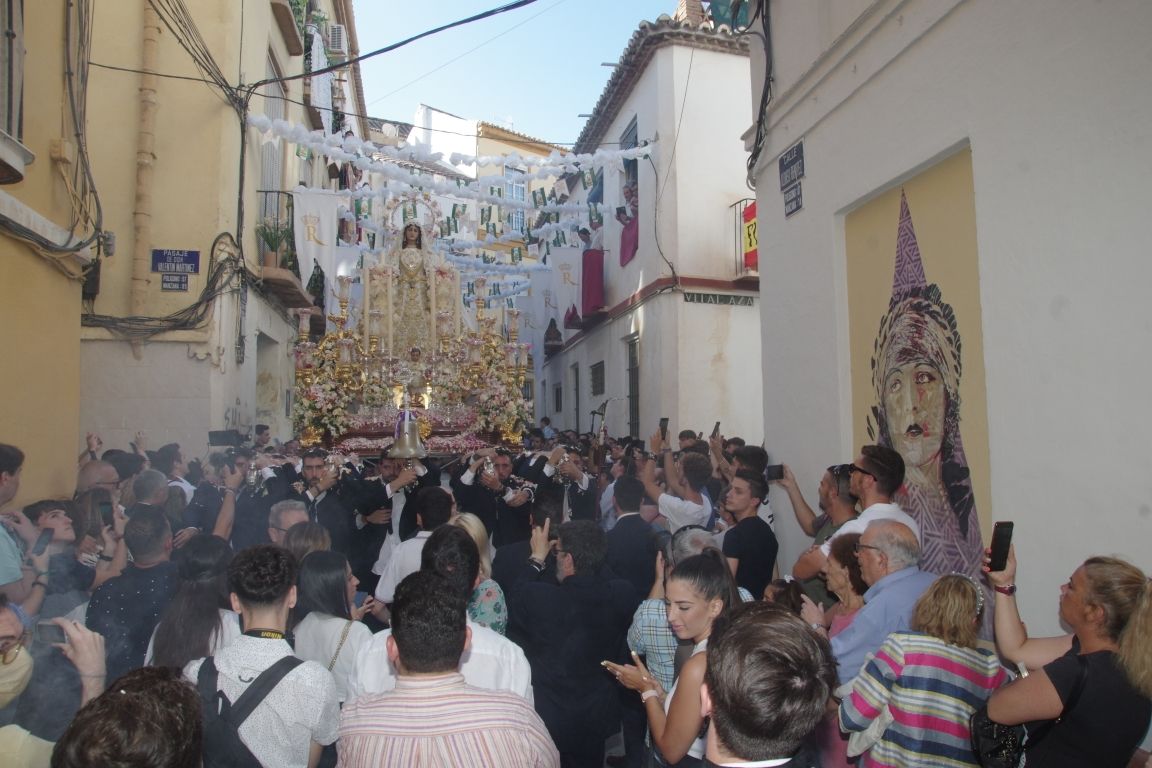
[(457, 297), (432, 302), (388, 279), (366, 301)]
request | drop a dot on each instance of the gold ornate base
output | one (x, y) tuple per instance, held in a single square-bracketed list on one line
[(310, 436)]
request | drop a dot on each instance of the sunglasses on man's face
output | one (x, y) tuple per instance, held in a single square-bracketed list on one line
[(861, 470)]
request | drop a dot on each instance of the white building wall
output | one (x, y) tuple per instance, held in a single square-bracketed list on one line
[(446, 133), (698, 363), (1053, 100), (708, 170)]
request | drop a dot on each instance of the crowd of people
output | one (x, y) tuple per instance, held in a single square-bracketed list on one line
[(277, 605)]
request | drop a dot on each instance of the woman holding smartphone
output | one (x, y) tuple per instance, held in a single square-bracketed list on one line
[(1108, 657), (699, 590)]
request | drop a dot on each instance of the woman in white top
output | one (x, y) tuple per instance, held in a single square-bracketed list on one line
[(326, 619), (197, 621), (699, 590)]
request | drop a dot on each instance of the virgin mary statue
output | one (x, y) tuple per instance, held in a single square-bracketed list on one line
[(412, 307)]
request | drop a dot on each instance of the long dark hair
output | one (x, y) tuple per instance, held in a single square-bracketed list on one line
[(322, 586), (192, 617), (709, 575)]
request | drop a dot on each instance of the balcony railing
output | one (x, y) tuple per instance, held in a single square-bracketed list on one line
[(745, 257)]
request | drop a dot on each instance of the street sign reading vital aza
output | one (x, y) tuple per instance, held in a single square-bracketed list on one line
[(726, 299)]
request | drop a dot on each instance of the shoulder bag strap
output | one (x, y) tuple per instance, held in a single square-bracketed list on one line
[(343, 637), (206, 681), (260, 688)]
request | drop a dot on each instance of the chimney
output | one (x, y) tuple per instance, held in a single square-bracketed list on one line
[(691, 11)]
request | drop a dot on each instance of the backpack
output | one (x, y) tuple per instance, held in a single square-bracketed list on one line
[(222, 719)]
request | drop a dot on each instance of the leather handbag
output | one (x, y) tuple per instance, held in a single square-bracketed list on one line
[(1002, 746)]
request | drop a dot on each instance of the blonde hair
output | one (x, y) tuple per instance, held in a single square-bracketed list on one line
[(1125, 594), (475, 528), (950, 610), (305, 538)]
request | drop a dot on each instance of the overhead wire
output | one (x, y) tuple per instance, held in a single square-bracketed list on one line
[(82, 186), (222, 273), (467, 52), (356, 60)]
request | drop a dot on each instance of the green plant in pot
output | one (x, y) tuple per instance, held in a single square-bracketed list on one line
[(273, 235)]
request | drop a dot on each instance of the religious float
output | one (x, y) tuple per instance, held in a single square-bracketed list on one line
[(408, 351)]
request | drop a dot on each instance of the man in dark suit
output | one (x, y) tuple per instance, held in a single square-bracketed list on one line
[(504, 504), (323, 500), (567, 630), (562, 475), (631, 542)]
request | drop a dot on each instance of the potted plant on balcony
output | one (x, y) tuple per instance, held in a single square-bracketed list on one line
[(273, 235)]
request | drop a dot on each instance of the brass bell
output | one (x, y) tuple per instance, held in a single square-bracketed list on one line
[(407, 444)]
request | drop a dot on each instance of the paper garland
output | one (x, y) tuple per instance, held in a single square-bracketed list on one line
[(350, 150)]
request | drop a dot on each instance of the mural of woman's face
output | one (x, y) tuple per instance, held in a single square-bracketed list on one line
[(914, 404)]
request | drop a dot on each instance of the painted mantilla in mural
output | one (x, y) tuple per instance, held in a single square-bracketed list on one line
[(916, 372)]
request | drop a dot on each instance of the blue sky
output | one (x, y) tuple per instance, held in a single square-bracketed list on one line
[(535, 70)]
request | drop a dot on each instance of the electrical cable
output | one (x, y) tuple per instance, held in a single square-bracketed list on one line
[(478, 17), (298, 102), (656, 228), (760, 135), (220, 276), (465, 53), (87, 187)]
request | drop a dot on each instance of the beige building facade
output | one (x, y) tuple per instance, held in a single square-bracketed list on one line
[(193, 326)]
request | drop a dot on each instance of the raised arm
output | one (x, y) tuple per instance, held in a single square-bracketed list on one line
[(716, 448), (805, 517), (226, 518), (648, 477), (1011, 638)]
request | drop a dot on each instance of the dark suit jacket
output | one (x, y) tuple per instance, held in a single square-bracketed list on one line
[(505, 524), (331, 513), (632, 552), (567, 630)]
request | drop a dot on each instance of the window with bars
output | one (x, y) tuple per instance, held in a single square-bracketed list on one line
[(596, 374), (271, 153), (576, 396), (12, 64), (515, 188), (633, 346)]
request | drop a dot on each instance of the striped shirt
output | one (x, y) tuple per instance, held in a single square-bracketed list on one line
[(428, 722), (931, 689)]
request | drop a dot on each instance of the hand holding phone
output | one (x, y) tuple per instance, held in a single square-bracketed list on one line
[(664, 429), (43, 541), (716, 430), (774, 472), (49, 633), (1001, 541)]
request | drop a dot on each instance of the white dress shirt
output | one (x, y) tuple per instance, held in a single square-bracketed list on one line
[(491, 661), (404, 560)]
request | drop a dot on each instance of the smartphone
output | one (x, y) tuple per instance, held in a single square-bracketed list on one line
[(1001, 540), (664, 428), (106, 514), (716, 430), (43, 541), (774, 472), (48, 633)]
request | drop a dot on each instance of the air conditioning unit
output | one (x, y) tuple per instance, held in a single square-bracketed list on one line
[(337, 42)]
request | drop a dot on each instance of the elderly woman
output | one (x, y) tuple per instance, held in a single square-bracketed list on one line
[(1107, 603), (926, 683)]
